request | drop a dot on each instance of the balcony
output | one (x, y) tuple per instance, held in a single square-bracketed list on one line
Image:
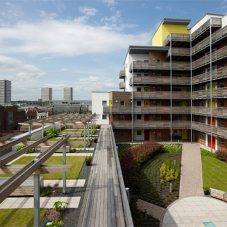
[(219, 131), (152, 124), (216, 55), (122, 74), (177, 38), (206, 111), (122, 85), (159, 80), (147, 110), (215, 23), (161, 95), (205, 94), (145, 65), (179, 52), (216, 74)]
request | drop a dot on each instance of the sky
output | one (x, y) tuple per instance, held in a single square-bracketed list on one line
[(80, 43)]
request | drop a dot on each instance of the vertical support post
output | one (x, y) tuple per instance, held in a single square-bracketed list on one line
[(211, 100), (64, 163), (88, 133), (36, 201), (84, 137), (132, 104), (127, 193), (145, 213), (29, 130), (171, 88), (191, 80), (42, 131), (170, 187)]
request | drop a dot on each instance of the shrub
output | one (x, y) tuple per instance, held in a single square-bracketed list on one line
[(58, 206), (221, 155), (207, 153), (28, 152), (52, 132)]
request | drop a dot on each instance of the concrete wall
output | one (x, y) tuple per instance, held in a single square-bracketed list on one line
[(97, 107)]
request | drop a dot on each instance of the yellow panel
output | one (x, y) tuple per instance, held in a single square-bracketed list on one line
[(184, 117), (146, 89), (146, 103), (110, 103), (164, 30), (184, 103), (184, 134), (213, 104)]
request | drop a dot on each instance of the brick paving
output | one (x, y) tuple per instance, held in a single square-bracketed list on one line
[(154, 210), (191, 183)]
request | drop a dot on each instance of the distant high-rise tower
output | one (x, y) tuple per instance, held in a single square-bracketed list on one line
[(5, 92), (68, 93), (46, 94)]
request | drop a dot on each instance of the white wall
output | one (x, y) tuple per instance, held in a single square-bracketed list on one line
[(136, 137), (201, 22), (97, 107), (224, 21)]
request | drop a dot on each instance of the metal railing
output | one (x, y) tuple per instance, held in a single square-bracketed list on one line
[(215, 22), (205, 94), (160, 65), (122, 74), (177, 37), (122, 85), (216, 55), (161, 95), (216, 74), (152, 124), (206, 111), (179, 51), (124, 198), (160, 80)]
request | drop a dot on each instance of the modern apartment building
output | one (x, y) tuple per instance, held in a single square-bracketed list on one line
[(68, 93), (5, 92), (46, 94), (176, 88)]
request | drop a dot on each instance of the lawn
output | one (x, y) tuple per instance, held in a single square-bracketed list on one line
[(19, 217), (56, 139), (76, 162), (214, 173)]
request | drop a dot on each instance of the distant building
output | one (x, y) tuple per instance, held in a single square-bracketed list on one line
[(5, 92), (46, 94), (68, 93), (36, 113)]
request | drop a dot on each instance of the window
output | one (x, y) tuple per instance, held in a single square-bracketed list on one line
[(158, 74), (139, 117), (122, 117), (221, 85), (138, 88), (122, 133), (10, 122), (104, 103), (158, 88), (202, 135), (159, 134), (104, 116), (159, 117), (146, 74), (221, 122), (158, 60), (202, 119), (138, 103), (122, 103), (222, 142), (10, 114), (196, 134), (139, 75), (139, 132), (158, 103), (221, 104)]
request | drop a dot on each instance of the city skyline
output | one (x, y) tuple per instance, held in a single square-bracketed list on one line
[(81, 44)]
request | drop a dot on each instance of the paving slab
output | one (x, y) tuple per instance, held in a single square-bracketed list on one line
[(69, 183)]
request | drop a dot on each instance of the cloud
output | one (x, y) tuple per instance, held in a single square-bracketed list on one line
[(9, 4), (88, 11), (11, 14), (43, 13), (221, 8), (64, 70), (109, 2), (51, 37), (18, 70), (158, 7), (113, 18), (60, 6)]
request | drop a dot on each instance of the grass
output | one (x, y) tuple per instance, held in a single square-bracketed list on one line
[(77, 146), (214, 173), (19, 217), (76, 162), (56, 139), (67, 130)]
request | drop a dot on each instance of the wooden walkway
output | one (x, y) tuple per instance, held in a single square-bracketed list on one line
[(102, 204)]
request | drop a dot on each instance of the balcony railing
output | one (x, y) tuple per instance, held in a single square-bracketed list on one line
[(205, 94), (161, 95), (206, 111), (176, 37), (160, 80), (216, 55), (216, 74), (218, 35), (147, 110), (219, 131), (122, 85), (160, 65), (122, 74), (215, 22), (179, 52), (152, 124)]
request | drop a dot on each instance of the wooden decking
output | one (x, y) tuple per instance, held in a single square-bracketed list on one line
[(102, 204)]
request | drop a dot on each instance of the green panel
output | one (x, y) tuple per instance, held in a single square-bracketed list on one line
[(208, 224)]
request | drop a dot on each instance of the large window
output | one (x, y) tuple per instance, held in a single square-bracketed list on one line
[(202, 135), (139, 117), (221, 122), (138, 103), (122, 117), (122, 133), (222, 142), (104, 103), (104, 116), (139, 132)]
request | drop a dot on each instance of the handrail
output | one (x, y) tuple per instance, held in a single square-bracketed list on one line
[(176, 37), (122, 74), (204, 94), (206, 111), (179, 52), (124, 199)]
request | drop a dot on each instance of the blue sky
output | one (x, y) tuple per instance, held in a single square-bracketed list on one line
[(81, 44)]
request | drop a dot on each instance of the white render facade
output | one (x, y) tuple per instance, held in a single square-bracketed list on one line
[(68, 93), (46, 94), (100, 99)]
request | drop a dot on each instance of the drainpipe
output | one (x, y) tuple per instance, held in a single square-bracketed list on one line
[(191, 79), (171, 88), (211, 111), (132, 103)]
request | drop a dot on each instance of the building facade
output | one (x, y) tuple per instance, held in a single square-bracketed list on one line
[(46, 94), (175, 89), (5, 92), (36, 113), (68, 93)]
